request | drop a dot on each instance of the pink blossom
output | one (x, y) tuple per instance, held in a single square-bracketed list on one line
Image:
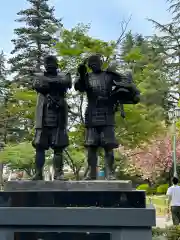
[(156, 158)]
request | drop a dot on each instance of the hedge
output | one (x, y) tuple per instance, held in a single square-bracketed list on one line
[(169, 233), (162, 189), (144, 187)]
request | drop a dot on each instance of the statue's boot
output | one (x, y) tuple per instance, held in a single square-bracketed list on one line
[(109, 174), (38, 175), (92, 174), (58, 174), (92, 164), (58, 166)]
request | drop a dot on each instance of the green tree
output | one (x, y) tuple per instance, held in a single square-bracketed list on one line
[(125, 168), (144, 58), (8, 131), (4, 92), (3, 69), (33, 40), (19, 157), (75, 158), (147, 119), (174, 8), (169, 45), (22, 108)]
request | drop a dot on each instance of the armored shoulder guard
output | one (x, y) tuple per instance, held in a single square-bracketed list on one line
[(118, 78), (65, 80), (40, 84)]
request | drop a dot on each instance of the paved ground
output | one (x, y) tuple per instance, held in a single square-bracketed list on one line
[(162, 222)]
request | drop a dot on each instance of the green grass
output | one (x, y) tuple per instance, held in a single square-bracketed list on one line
[(160, 203)]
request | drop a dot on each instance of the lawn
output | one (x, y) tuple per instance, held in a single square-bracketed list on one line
[(160, 203)]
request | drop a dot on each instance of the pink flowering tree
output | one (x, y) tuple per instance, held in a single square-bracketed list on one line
[(156, 159)]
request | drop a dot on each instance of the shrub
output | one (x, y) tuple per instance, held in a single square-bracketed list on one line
[(162, 189), (158, 232), (169, 233), (144, 187), (152, 190), (173, 233)]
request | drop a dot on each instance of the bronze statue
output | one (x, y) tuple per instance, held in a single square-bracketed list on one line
[(100, 112), (51, 116)]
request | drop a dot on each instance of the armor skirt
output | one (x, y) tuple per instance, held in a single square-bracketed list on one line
[(101, 136), (50, 137)]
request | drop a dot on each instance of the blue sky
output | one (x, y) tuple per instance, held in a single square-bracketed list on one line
[(104, 15)]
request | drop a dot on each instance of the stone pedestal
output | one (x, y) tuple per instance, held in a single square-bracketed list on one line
[(68, 185), (91, 210)]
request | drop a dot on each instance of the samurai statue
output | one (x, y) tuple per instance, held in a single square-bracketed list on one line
[(105, 90), (51, 116)]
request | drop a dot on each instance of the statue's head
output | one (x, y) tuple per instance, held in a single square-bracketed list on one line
[(51, 64), (95, 63)]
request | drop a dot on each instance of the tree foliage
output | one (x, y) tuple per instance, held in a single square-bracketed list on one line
[(169, 45), (147, 119), (6, 119), (19, 157), (33, 40)]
